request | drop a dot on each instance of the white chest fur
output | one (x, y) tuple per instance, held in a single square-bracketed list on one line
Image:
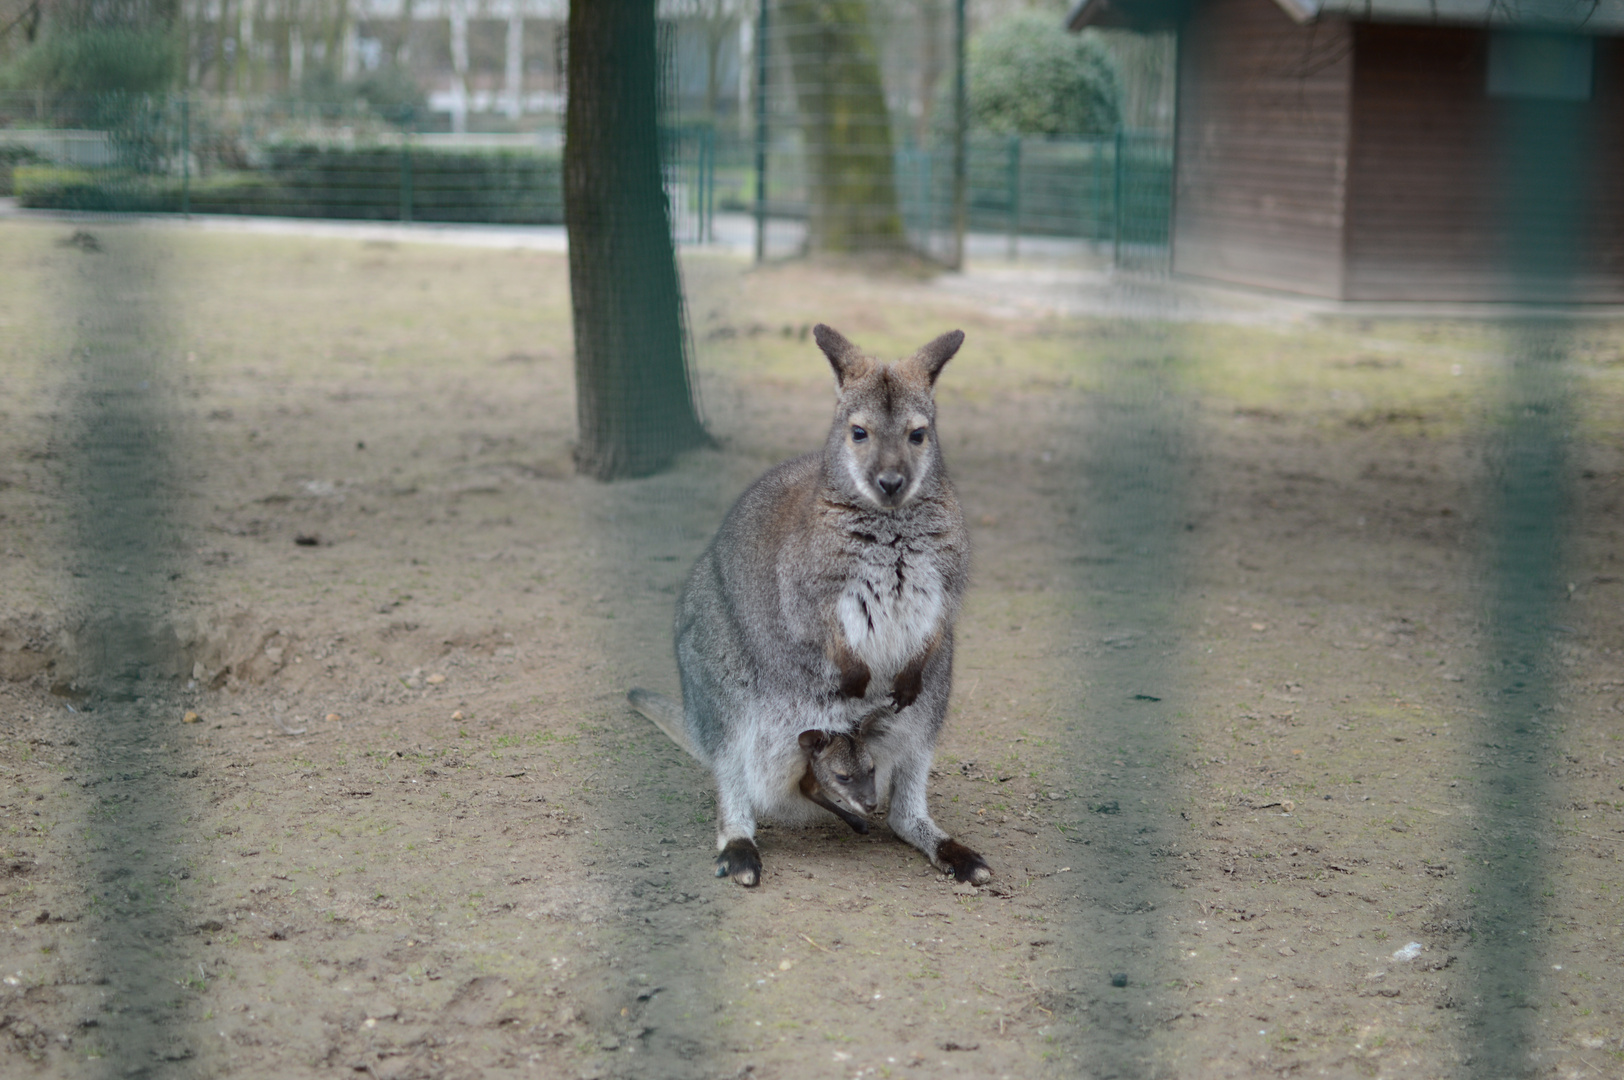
[(890, 609)]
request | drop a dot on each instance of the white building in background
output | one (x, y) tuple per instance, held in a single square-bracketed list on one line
[(501, 59)]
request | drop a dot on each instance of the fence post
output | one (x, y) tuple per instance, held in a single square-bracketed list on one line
[(1096, 225), (1014, 183), (408, 119), (932, 206), (1116, 205), (707, 185), (961, 123), (185, 156), (761, 131)]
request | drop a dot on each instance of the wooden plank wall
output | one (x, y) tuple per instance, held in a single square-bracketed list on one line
[(1602, 275), (1262, 147), (1421, 202), (1427, 191)]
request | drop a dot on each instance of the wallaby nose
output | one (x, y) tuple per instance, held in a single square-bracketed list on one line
[(890, 482)]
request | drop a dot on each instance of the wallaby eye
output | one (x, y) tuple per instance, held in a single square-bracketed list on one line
[(858, 434), (916, 436), (842, 777)]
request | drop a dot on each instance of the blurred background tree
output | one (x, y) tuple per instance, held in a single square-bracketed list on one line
[(847, 127), (1029, 76), (390, 88), (94, 47)]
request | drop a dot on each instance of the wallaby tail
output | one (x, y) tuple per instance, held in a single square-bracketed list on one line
[(665, 713)]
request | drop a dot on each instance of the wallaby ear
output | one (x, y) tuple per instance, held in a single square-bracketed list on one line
[(874, 724), (934, 356), (814, 740), (844, 357)]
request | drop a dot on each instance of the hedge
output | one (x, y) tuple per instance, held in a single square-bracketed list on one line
[(498, 187)]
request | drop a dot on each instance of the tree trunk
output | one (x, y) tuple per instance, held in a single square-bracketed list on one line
[(713, 53), (930, 68), (846, 127), (634, 404), (334, 58)]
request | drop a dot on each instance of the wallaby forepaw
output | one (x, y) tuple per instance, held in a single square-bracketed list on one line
[(854, 680), (962, 863), (740, 861), (907, 688)]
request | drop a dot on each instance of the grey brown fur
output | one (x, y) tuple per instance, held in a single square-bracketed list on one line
[(829, 594), (839, 773)]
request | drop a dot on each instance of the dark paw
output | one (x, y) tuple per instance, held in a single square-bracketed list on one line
[(906, 690), (964, 864), (854, 680), (740, 861)]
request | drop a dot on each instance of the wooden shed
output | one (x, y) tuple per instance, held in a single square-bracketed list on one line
[(1362, 149)]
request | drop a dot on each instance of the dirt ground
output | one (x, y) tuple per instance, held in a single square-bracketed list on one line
[(1229, 715)]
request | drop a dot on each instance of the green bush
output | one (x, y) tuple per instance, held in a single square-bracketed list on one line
[(390, 91), (503, 188), (31, 182), (55, 187), (10, 158), (96, 61), (52, 188), (1029, 76)]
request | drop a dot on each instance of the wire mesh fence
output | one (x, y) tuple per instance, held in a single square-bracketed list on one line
[(858, 139), (842, 138), (178, 154), (1112, 190), (1125, 473)]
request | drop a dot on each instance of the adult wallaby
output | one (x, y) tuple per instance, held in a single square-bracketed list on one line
[(827, 596)]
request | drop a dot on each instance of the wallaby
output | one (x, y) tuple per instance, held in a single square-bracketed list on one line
[(830, 592), (839, 773), (839, 776)]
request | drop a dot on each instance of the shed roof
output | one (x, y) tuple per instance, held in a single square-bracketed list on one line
[(1582, 16)]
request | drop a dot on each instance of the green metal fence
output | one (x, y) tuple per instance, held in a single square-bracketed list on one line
[(179, 155), (1112, 190), (144, 154), (689, 153)]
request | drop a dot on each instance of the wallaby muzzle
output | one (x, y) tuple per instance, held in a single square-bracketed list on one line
[(891, 483)]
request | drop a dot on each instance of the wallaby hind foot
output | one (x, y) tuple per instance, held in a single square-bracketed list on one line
[(740, 861)]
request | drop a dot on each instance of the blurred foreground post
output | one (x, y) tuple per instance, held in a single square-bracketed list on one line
[(127, 546), (634, 404), (1550, 176), (961, 124), (761, 130)]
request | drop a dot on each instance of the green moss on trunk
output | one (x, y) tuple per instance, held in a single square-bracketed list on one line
[(853, 194)]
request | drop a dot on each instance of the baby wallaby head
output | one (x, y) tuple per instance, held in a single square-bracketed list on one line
[(882, 446), (843, 769)]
